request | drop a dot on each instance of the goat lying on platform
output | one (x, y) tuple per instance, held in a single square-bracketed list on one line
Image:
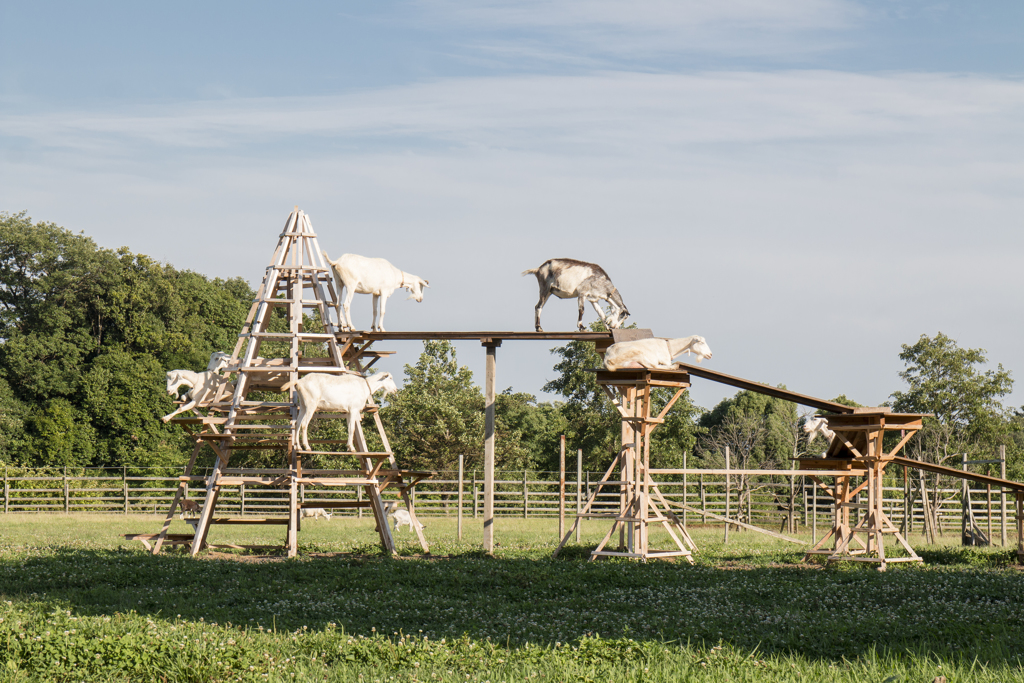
[(654, 353), (203, 387), (361, 275), (401, 517), (568, 278), (316, 513), (346, 393), (816, 425)]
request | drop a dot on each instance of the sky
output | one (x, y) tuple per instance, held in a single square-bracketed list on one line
[(809, 184)]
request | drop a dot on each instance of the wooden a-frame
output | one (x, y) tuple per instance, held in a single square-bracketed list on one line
[(298, 281)]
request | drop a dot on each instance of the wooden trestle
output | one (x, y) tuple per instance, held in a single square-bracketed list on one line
[(299, 282), (858, 452), (641, 503)]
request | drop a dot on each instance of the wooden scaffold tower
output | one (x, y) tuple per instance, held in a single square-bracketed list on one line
[(299, 283), (641, 503), (858, 453)]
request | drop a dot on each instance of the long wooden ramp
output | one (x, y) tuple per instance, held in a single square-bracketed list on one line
[(960, 474), (758, 387)]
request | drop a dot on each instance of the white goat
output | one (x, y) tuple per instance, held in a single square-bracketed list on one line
[(401, 517), (816, 425), (202, 386), (568, 278), (346, 393), (654, 353), (361, 275), (316, 513)]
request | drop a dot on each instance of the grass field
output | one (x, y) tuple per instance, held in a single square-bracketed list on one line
[(79, 603)]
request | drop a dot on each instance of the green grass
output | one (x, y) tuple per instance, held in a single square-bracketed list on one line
[(78, 602)]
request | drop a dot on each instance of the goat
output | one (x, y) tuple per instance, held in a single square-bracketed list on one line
[(816, 425), (361, 275), (654, 353), (567, 278), (346, 393), (316, 513), (401, 517), (187, 506), (202, 386)]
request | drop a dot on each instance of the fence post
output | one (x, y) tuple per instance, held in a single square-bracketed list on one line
[(124, 486), (685, 487), (579, 492), (561, 488), (526, 496), (7, 497), (475, 493), (728, 491), (241, 494), (462, 463), (67, 502), (359, 499), (1002, 496)]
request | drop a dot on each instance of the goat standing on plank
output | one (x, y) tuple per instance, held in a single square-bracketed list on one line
[(348, 393), (568, 278), (361, 275), (654, 353), (203, 387)]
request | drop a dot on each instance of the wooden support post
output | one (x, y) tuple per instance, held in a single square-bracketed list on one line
[(462, 464), (7, 492), (67, 497), (685, 487), (561, 487), (1020, 526), (124, 486), (579, 489), (490, 384), (1002, 496)]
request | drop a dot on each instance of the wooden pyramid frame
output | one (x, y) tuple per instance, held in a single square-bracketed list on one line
[(297, 280)]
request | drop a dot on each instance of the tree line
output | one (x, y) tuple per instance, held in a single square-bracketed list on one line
[(86, 335)]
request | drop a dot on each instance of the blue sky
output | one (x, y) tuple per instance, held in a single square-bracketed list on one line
[(807, 183)]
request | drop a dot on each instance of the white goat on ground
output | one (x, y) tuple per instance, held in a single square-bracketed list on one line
[(816, 425), (346, 393), (401, 517), (568, 278), (316, 513), (355, 274), (654, 353), (202, 386)]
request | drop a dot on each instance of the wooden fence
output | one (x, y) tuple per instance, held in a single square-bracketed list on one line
[(764, 502)]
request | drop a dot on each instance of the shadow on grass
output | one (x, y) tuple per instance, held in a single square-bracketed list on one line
[(844, 612)]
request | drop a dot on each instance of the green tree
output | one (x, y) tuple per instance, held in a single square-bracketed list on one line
[(439, 414), (86, 335), (944, 379)]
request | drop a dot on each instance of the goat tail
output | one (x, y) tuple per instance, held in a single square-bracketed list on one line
[(288, 386), (531, 271)]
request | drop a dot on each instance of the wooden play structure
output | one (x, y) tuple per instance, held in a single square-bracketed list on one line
[(297, 290), (275, 349)]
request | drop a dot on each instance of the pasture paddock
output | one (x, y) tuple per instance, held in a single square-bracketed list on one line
[(746, 612)]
